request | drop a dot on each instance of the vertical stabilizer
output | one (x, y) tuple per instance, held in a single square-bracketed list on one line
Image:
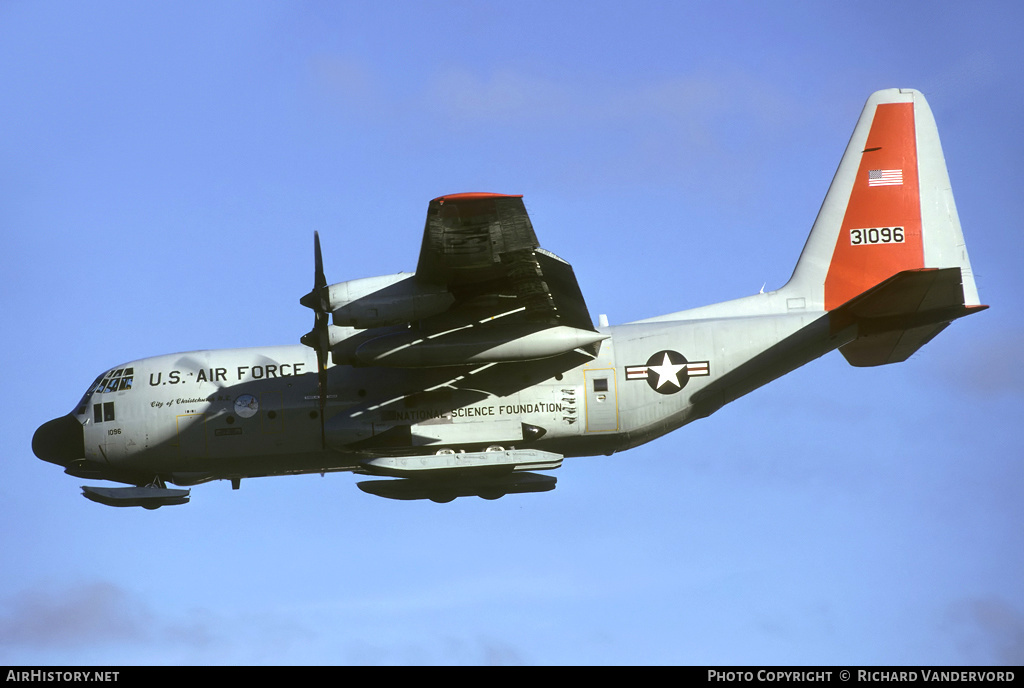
[(889, 209)]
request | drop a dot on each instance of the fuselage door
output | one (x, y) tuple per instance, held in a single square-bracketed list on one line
[(601, 400)]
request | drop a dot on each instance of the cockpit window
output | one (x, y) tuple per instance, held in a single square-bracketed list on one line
[(103, 412), (88, 393), (116, 380)]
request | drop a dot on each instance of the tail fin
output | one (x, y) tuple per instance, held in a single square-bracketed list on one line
[(889, 210)]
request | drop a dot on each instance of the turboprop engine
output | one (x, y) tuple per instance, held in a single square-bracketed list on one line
[(386, 300)]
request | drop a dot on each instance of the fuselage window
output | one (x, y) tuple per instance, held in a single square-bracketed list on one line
[(103, 412), (601, 384)]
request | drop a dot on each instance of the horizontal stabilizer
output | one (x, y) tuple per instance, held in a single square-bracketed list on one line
[(889, 347), (900, 315)]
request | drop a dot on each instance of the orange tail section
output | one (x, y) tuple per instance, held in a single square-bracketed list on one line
[(881, 229), (889, 214)]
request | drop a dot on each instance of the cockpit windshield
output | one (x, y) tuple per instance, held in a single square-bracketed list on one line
[(115, 380)]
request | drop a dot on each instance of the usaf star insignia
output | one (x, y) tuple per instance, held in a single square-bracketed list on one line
[(668, 371)]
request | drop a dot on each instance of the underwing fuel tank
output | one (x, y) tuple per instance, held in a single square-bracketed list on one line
[(491, 487), (146, 497), (463, 462), (475, 344)]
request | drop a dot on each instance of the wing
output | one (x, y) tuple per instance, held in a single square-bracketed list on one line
[(483, 249), (483, 292)]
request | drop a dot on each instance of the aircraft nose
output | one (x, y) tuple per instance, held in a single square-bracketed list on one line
[(59, 441)]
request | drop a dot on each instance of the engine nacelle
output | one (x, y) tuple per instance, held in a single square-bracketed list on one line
[(386, 300), (482, 344)]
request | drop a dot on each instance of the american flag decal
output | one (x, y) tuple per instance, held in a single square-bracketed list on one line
[(885, 177)]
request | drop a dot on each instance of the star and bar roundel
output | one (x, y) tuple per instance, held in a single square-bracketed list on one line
[(668, 371)]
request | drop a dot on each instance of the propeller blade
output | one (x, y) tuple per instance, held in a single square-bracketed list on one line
[(317, 299), (318, 338), (319, 281), (321, 372)]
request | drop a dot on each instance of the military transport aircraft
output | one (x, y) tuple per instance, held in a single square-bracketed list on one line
[(483, 366)]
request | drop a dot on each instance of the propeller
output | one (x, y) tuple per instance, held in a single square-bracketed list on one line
[(319, 338)]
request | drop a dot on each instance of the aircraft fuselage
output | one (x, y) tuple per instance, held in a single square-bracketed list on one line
[(236, 413), (484, 364)]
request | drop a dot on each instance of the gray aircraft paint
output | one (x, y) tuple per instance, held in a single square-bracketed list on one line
[(555, 386)]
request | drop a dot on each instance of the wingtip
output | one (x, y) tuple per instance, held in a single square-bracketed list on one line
[(472, 196)]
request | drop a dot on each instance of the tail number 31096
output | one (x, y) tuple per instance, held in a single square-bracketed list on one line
[(876, 235)]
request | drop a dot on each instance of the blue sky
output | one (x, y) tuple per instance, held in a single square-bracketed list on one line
[(163, 168)]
